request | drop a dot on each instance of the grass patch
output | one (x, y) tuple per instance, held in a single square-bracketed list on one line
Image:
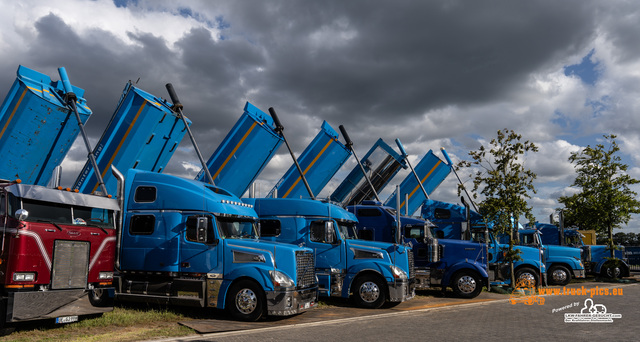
[(120, 325)]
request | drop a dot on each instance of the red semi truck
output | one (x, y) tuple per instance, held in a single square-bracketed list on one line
[(56, 253)]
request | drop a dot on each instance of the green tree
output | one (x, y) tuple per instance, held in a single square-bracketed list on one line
[(504, 183), (604, 200)]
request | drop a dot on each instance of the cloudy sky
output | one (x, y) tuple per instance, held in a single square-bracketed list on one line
[(432, 73)]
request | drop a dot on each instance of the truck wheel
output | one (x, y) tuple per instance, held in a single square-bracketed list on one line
[(610, 270), (527, 275), (369, 292), (466, 284), (559, 275), (100, 297), (246, 301)]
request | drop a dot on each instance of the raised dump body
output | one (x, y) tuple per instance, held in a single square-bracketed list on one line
[(57, 253), (322, 158), (431, 171), (37, 129), (381, 163), (244, 152), (143, 134)]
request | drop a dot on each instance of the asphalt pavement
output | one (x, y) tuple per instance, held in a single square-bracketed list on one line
[(485, 308)]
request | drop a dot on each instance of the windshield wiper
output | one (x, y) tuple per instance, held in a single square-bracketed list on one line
[(51, 222)]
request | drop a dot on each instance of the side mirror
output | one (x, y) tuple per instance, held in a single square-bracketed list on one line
[(201, 229), (21, 214), (329, 232)]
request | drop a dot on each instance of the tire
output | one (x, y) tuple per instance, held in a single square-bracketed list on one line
[(100, 297), (559, 275), (528, 274), (466, 284), (369, 292), (610, 270), (246, 301)]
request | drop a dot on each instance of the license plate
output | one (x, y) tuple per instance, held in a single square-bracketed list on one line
[(67, 319)]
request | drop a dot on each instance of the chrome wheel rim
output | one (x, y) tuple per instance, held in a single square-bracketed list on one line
[(613, 272), (527, 278), (369, 292), (467, 284), (246, 301), (559, 276)]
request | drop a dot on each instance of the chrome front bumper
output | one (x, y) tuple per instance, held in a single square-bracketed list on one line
[(401, 290), (291, 302)]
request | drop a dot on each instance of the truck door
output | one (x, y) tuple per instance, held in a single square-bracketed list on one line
[(199, 252), (328, 249)]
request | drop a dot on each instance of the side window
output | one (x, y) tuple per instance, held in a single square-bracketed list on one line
[(270, 227), (440, 213), (366, 234), (192, 229), (145, 194), (322, 231), (414, 232), (369, 212), (142, 225), (3, 208)]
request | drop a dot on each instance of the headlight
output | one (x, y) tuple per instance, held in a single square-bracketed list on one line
[(105, 275), (397, 272), (280, 279), (24, 276)]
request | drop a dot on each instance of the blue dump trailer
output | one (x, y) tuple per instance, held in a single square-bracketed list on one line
[(381, 164), (432, 171), (189, 243), (320, 161), (37, 128), (143, 134), (244, 152)]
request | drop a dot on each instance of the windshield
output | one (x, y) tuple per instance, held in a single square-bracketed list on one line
[(574, 241), (347, 230), (70, 215), (529, 239), (480, 235), (236, 228)]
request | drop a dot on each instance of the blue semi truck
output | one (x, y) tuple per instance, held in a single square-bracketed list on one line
[(594, 257), (369, 273), (460, 265), (189, 243), (442, 263), (453, 222), (563, 263)]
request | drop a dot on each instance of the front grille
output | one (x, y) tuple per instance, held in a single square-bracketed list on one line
[(70, 264), (440, 251), (412, 269), (305, 269)]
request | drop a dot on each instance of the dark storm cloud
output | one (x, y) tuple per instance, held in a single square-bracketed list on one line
[(406, 58), (364, 64)]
